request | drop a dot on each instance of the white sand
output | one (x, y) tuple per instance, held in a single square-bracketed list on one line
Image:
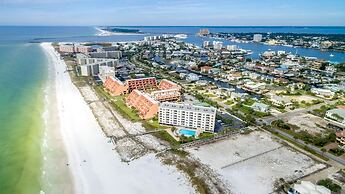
[(103, 172), (108, 33)]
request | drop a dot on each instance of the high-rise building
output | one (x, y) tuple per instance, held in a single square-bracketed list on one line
[(257, 37), (207, 44), (232, 47), (218, 45), (107, 54), (187, 115), (204, 32)]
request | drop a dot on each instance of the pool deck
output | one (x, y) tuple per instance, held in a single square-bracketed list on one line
[(171, 133)]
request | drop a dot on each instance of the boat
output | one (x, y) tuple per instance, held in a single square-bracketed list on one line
[(331, 55)]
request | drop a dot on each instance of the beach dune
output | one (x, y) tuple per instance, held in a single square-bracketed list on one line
[(94, 164)]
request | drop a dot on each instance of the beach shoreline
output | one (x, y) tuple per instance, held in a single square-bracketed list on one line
[(108, 33), (55, 174), (94, 164)]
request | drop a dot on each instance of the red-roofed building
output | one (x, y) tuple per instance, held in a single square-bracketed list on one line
[(116, 87), (166, 95), (146, 106), (167, 84), (141, 84), (205, 69)]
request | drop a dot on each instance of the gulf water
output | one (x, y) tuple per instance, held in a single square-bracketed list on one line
[(24, 79)]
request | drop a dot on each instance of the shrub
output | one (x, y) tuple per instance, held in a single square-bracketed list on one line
[(328, 183)]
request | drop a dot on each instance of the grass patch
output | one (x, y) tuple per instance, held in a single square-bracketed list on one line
[(206, 135), (229, 102), (328, 183), (336, 151), (210, 95), (120, 104), (167, 137), (179, 152), (153, 125)]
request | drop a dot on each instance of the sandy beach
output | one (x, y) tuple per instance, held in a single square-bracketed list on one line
[(94, 164), (108, 33)]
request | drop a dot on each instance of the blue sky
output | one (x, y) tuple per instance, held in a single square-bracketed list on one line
[(172, 12)]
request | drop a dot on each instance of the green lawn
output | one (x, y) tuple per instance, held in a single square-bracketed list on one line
[(210, 95), (153, 125), (167, 137), (121, 106), (229, 102), (219, 99), (206, 135)]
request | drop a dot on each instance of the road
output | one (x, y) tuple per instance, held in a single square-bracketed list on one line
[(314, 148)]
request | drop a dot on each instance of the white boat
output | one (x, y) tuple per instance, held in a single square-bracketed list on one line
[(331, 55)]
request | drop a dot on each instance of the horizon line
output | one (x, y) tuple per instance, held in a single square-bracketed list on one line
[(341, 26)]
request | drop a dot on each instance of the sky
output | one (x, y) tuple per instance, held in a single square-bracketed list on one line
[(173, 12)]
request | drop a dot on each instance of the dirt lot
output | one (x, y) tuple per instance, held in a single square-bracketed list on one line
[(308, 122), (305, 98), (253, 163)]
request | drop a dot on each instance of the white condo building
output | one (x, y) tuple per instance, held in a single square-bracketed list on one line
[(232, 47), (187, 115), (257, 37), (218, 45)]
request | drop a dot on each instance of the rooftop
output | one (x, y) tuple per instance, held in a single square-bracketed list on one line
[(338, 111), (188, 107)]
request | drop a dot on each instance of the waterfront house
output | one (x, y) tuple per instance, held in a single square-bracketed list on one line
[(340, 137), (325, 93), (280, 101), (336, 117), (205, 69), (260, 107)]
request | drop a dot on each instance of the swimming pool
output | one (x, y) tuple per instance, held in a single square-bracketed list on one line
[(187, 132)]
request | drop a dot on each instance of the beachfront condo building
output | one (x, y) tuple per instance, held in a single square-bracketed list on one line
[(336, 117), (100, 61), (146, 106), (187, 115), (117, 87), (88, 70), (107, 54), (257, 37), (114, 86), (167, 84), (166, 95), (71, 48)]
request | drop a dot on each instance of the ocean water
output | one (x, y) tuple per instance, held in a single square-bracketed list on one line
[(24, 86), (25, 78), (22, 75)]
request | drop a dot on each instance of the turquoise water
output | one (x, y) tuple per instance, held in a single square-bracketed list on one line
[(22, 76), (23, 82), (187, 132)]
